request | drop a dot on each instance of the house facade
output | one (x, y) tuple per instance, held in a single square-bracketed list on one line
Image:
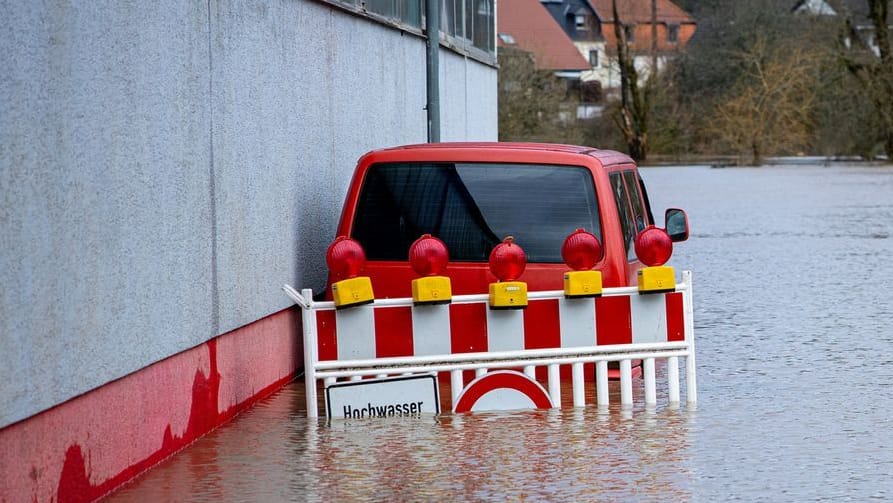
[(590, 25)]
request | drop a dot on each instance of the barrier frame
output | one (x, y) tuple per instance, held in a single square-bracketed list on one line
[(552, 358)]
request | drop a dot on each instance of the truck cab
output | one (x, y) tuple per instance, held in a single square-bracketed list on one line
[(473, 195)]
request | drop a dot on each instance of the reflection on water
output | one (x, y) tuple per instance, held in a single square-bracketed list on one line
[(793, 304)]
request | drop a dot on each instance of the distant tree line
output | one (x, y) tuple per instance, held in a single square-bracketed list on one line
[(757, 80)]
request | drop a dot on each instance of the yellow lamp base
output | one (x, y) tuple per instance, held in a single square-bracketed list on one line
[(432, 290), (659, 279), (508, 295), (352, 292), (582, 284)]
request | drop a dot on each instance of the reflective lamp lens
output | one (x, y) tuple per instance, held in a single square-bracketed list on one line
[(507, 260), (345, 258), (428, 256), (581, 250), (654, 246)]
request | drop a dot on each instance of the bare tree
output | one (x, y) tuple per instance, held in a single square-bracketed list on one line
[(534, 104), (769, 109), (632, 118), (875, 69)]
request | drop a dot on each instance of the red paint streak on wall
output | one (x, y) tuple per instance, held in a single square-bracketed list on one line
[(32, 450), (74, 485)]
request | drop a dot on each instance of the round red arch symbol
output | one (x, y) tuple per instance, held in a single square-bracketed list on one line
[(493, 383)]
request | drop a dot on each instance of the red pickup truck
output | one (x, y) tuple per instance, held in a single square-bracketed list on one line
[(473, 195)]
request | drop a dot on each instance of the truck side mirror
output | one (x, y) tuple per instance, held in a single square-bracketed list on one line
[(676, 224)]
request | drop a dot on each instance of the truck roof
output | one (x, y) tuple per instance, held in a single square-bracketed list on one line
[(607, 157)]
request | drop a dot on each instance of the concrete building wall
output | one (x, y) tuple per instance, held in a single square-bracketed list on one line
[(166, 166)]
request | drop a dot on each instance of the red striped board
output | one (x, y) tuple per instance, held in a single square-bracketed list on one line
[(371, 331)]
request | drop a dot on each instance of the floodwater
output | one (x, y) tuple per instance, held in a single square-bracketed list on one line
[(793, 293)]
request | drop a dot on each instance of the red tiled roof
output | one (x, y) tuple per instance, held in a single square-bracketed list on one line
[(535, 31), (639, 11)]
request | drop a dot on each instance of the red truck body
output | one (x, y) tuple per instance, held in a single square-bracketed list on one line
[(614, 178)]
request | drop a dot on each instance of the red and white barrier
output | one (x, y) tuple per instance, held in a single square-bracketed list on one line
[(392, 337)]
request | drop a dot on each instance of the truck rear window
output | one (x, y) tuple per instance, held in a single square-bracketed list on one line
[(472, 207)]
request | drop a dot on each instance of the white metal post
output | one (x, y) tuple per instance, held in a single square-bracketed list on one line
[(310, 350), (578, 383), (456, 385), (673, 378), (650, 391), (555, 386), (601, 383), (626, 382), (691, 378)]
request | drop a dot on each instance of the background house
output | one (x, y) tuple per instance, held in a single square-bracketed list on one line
[(590, 24), (527, 26), (855, 12)]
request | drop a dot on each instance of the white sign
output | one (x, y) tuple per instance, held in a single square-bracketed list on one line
[(392, 396)]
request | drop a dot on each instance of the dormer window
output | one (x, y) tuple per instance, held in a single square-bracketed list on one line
[(507, 39), (580, 22), (630, 32), (673, 33)]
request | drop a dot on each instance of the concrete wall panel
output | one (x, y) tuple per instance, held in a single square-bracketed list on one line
[(104, 194)]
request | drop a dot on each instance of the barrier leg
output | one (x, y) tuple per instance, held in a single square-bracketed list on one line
[(456, 385), (626, 383), (673, 378), (601, 383), (650, 392), (579, 391), (530, 371), (555, 386), (310, 351)]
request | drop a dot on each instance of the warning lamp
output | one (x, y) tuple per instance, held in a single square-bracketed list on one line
[(581, 251), (346, 259), (428, 257), (507, 263), (654, 247)]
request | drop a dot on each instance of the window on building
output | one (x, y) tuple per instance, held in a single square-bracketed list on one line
[(580, 22), (405, 11), (673, 33), (469, 23), (468, 26), (593, 58), (630, 32)]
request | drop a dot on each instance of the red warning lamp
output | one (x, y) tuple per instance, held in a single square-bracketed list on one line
[(345, 258), (428, 256), (654, 246), (581, 250), (507, 260)]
